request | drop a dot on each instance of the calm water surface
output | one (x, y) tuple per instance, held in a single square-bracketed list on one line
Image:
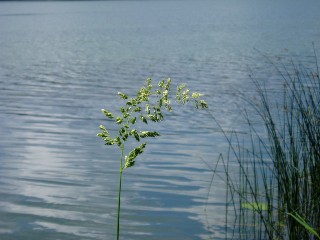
[(61, 62)]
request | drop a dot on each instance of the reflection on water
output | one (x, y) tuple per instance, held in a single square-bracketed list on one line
[(61, 62)]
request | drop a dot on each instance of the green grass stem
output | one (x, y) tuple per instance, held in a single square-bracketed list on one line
[(146, 106), (278, 169)]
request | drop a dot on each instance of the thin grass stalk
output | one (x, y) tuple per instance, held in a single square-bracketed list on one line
[(246, 187), (229, 189), (146, 107), (227, 203), (119, 192), (300, 103), (291, 184)]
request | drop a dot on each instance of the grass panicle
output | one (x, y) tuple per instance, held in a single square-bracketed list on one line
[(147, 106)]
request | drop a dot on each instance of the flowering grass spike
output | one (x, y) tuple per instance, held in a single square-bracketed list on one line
[(147, 105)]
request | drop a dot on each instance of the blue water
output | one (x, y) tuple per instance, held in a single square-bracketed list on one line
[(61, 62)]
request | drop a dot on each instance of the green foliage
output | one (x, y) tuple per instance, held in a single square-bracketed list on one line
[(129, 160), (255, 206), (147, 106), (270, 174), (303, 223)]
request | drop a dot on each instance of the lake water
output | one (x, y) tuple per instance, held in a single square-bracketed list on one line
[(61, 62)]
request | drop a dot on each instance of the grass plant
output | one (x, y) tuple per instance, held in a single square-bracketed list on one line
[(274, 190), (303, 223), (146, 106)]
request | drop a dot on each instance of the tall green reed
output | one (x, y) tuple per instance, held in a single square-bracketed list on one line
[(147, 106), (278, 176)]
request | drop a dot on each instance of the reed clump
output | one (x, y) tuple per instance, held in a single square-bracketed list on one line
[(273, 192)]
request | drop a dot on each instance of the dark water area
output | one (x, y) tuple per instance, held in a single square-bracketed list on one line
[(61, 62)]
